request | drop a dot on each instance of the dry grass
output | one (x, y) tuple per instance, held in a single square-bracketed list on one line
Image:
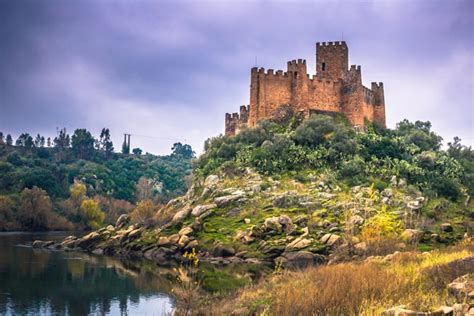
[(413, 279)]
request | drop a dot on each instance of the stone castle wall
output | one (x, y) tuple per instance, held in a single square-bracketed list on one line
[(334, 88)]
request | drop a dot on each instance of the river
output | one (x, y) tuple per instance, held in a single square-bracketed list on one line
[(45, 282)]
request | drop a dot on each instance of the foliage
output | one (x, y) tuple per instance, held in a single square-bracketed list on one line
[(383, 225), (35, 211), (91, 167), (413, 279), (144, 210), (82, 143), (411, 151), (62, 141), (182, 150), (91, 214)]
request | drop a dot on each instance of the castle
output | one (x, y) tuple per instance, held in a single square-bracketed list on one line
[(334, 89)]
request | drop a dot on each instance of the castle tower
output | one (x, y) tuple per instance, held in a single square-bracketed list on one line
[(332, 59)]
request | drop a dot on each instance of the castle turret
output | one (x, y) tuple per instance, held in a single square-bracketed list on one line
[(379, 104), (332, 59)]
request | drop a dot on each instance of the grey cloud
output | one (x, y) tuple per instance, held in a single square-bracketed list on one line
[(171, 69)]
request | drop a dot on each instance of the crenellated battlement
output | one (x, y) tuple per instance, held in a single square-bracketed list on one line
[(335, 88), (235, 121), (326, 44)]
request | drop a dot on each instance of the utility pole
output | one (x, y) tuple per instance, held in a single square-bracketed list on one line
[(126, 143)]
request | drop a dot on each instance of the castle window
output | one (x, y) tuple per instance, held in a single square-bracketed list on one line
[(296, 74), (323, 66)]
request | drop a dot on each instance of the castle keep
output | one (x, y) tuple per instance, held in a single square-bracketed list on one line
[(335, 88)]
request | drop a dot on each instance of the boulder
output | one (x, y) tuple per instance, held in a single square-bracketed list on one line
[(446, 227), (298, 244), (211, 181), (193, 244), (42, 243), (326, 196), (226, 200), (414, 205), (223, 251), (183, 241), (279, 224), (173, 239), (272, 223), (332, 240), (399, 311), (122, 221), (299, 259), (186, 231), (360, 247), (355, 220), (199, 209), (134, 234), (412, 235), (461, 287), (88, 241), (181, 215), (163, 241), (69, 242), (247, 221), (286, 199)]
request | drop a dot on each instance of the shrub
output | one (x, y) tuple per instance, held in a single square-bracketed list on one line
[(383, 225), (448, 188), (91, 214), (143, 211), (314, 131)]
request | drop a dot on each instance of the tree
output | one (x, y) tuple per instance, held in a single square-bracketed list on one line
[(62, 141), (35, 208), (39, 141), (137, 151), (78, 192), (105, 143), (6, 212), (82, 143), (2, 140), (144, 190), (25, 140), (182, 150), (48, 142), (144, 210), (9, 140), (91, 214)]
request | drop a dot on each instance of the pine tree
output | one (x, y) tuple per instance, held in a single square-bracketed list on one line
[(9, 140)]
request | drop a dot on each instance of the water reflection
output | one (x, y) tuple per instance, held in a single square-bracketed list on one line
[(42, 282)]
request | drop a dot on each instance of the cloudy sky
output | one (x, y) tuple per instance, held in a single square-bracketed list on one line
[(167, 71)]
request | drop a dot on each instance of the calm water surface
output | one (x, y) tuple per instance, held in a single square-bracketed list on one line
[(43, 282)]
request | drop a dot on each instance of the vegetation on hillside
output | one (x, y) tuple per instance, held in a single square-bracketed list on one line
[(110, 183), (411, 151)]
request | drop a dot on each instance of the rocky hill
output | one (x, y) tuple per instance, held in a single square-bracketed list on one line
[(298, 193)]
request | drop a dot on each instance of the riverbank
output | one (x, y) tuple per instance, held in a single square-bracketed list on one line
[(416, 281)]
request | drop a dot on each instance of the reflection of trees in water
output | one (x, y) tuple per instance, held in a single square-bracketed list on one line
[(73, 283), (80, 283)]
